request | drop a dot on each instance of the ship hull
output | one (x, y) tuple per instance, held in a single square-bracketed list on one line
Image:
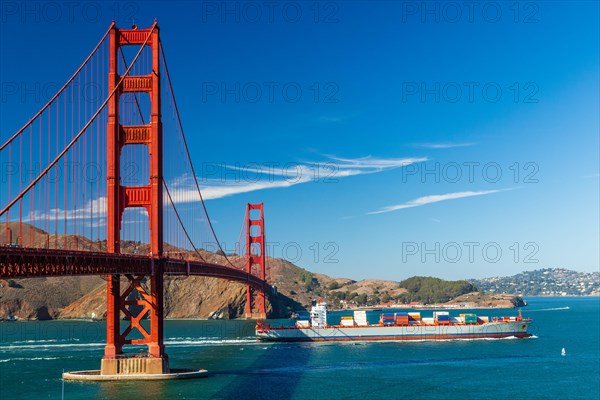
[(492, 330)]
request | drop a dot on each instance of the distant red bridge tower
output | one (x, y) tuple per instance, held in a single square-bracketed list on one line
[(255, 255)]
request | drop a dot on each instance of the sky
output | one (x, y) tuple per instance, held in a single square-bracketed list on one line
[(385, 139)]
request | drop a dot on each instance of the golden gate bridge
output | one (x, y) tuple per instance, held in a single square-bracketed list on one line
[(100, 181)]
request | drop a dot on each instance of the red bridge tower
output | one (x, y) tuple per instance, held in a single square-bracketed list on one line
[(149, 197)]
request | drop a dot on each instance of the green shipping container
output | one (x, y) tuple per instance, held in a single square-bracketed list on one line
[(470, 318)]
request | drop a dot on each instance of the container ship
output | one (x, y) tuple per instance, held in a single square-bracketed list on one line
[(398, 326)]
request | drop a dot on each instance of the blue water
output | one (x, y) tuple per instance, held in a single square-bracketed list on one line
[(33, 355)]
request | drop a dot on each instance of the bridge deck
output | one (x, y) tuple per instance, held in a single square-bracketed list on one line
[(35, 263)]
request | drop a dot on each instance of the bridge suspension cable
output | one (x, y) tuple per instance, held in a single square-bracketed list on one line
[(76, 138), (180, 221), (80, 203), (190, 163), (60, 91)]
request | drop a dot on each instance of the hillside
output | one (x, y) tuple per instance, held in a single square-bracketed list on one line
[(543, 282)]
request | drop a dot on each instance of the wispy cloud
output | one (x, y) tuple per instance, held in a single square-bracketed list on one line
[(371, 164), (596, 175), (446, 145), (223, 190), (255, 177), (436, 198), (92, 213)]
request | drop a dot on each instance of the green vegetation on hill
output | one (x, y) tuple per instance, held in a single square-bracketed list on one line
[(420, 289), (430, 290)]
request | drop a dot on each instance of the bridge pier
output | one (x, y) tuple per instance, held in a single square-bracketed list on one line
[(149, 304), (134, 366)]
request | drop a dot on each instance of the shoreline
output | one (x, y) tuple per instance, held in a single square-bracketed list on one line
[(425, 308), (371, 309)]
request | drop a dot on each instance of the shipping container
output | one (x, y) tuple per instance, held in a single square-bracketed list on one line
[(302, 324), (360, 318), (470, 318)]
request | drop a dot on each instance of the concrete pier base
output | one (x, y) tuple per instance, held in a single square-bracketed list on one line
[(134, 365), (134, 369), (96, 376), (257, 315)]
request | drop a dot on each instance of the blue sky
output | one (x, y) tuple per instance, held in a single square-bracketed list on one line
[(397, 138)]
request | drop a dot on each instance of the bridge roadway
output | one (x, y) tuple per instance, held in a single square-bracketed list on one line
[(19, 262)]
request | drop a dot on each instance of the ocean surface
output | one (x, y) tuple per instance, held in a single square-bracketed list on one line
[(34, 354)]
